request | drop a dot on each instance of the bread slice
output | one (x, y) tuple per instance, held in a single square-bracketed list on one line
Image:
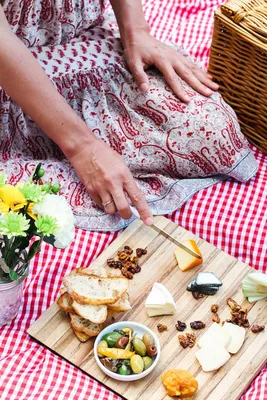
[(98, 271), (83, 325), (81, 336), (97, 314), (91, 289), (64, 302), (122, 304)]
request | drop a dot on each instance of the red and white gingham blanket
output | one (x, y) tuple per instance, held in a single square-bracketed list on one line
[(230, 215)]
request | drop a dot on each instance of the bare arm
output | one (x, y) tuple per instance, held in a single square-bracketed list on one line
[(24, 80), (142, 50)]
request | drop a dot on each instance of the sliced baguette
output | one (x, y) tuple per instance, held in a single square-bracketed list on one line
[(64, 302), (81, 336), (91, 289), (123, 304), (83, 325), (97, 314)]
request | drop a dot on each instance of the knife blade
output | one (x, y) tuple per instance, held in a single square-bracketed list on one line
[(167, 235)]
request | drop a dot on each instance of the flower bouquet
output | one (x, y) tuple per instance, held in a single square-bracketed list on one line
[(30, 213)]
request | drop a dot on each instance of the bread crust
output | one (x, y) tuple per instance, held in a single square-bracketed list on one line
[(95, 301)]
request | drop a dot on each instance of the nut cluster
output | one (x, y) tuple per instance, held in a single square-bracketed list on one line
[(197, 295), (180, 326), (162, 327), (239, 314), (127, 262), (197, 325), (214, 309), (257, 328), (187, 340)]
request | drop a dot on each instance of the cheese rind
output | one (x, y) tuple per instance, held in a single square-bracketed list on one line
[(185, 260), (215, 336), (212, 358), (159, 301), (237, 337)]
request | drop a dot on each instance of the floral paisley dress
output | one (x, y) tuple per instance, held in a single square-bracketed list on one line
[(172, 149)]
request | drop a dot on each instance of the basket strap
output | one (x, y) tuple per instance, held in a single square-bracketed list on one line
[(250, 15)]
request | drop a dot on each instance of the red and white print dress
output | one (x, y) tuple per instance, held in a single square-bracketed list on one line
[(172, 149)]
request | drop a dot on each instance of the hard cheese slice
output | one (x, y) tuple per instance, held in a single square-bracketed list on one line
[(185, 260), (159, 301), (212, 357), (237, 337), (215, 336)]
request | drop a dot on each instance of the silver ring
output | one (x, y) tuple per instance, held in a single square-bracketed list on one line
[(107, 203)]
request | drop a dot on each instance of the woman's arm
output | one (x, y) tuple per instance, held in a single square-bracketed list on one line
[(142, 50), (102, 171), (25, 82)]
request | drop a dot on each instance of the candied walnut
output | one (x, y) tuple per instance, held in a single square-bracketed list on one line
[(128, 250), (140, 252), (233, 304), (191, 337), (128, 264), (216, 318), (246, 324), (137, 269), (197, 325), (187, 340), (118, 264), (111, 262), (197, 295), (214, 308), (162, 327), (126, 273), (122, 256), (257, 328), (180, 326), (183, 341), (134, 259)]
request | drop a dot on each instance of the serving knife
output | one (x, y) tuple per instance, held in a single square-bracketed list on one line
[(166, 235)]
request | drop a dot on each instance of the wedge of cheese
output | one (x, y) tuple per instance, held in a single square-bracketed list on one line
[(212, 357), (237, 337), (216, 336), (184, 259), (159, 301)]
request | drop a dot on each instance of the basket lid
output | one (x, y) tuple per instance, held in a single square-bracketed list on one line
[(251, 15)]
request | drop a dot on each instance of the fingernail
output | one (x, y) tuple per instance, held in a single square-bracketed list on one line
[(187, 99), (209, 92), (215, 85), (144, 87), (149, 221)]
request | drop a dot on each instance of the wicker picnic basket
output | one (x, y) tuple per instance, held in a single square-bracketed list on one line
[(238, 62)]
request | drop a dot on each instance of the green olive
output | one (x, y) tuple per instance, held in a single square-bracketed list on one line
[(124, 370), (137, 364), (111, 338), (139, 346), (148, 340), (147, 362)]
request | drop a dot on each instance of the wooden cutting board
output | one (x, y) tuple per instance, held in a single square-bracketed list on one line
[(159, 265)]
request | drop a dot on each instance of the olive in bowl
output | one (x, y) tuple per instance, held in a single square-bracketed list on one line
[(127, 351)]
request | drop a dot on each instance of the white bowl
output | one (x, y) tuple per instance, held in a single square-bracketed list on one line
[(140, 330)]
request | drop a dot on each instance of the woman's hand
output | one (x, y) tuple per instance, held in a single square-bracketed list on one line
[(142, 50), (109, 181)]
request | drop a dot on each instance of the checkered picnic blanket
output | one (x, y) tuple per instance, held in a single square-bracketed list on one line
[(230, 215)]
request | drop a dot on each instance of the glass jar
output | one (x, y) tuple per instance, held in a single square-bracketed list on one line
[(11, 294)]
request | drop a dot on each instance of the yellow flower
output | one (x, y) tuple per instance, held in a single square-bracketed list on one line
[(12, 198)]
